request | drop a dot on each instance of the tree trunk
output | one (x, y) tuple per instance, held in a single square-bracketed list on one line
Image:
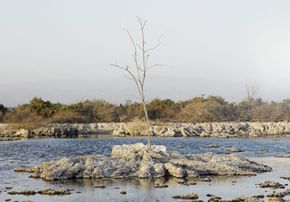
[(147, 123)]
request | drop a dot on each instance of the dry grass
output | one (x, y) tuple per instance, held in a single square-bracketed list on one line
[(67, 116), (26, 125), (29, 123), (136, 127)]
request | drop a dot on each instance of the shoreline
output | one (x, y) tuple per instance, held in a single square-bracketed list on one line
[(214, 129), (109, 136)]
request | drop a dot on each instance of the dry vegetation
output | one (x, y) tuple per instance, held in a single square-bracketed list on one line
[(136, 127), (199, 109)]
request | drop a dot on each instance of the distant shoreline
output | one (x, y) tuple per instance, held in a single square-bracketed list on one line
[(167, 129), (197, 109)]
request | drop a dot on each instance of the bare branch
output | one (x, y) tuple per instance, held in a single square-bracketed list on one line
[(131, 39), (155, 65), (126, 69), (140, 69), (135, 55), (156, 46), (127, 77), (118, 66), (141, 22), (153, 48)]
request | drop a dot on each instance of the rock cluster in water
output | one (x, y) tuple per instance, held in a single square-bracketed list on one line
[(137, 161), (273, 197), (42, 192)]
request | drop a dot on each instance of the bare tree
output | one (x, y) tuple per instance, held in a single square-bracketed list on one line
[(139, 70)]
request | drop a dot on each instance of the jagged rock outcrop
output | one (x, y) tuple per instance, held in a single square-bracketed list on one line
[(55, 130), (215, 129), (7, 133), (137, 161), (89, 128)]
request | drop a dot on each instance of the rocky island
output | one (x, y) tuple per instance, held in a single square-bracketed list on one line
[(137, 161)]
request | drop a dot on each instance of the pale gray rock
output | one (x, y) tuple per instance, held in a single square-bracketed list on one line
[(137, 160), (214, 129)]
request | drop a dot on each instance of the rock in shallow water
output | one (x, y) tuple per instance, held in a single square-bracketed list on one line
[(286, 178), (270, 184), (234, 150), (191, 196), (42, 192), (137, 161)]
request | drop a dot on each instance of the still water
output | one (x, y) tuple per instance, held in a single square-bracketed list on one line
[(27, 153)]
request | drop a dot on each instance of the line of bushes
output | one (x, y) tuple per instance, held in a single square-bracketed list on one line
[(198, 109)]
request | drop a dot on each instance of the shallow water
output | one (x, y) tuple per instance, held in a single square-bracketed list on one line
[(32, 152)]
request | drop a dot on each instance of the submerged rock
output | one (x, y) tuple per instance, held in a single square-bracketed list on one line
[(234, 150), (137, 161), (205, 179), (247, 199), (191, 196), (214, 198), (190, 183), (271, 184), (100, 186), (157, 185), (286, 178), (278, 197), (212, 146), (25, 192), (54, 192), (42, 192)]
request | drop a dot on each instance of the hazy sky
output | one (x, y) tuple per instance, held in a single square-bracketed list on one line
[(61, 50)]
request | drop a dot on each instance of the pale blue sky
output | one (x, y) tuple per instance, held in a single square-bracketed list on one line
[(60, 50)]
